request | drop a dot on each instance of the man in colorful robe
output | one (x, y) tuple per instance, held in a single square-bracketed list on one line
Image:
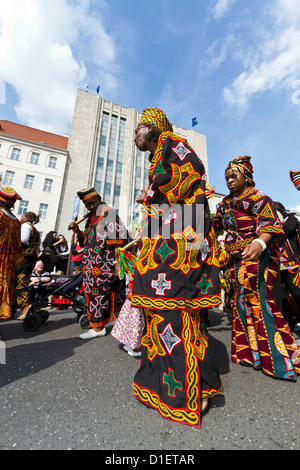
[(104, 292)]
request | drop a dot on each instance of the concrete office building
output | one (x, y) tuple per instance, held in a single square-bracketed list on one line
[(102, 154)]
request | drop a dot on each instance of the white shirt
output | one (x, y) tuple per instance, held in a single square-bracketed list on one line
[(25, 233)]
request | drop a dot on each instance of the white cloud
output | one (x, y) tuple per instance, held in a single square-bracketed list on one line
[(45, 49), (217, 52), (295, 209), (222, 7), (275, 63)]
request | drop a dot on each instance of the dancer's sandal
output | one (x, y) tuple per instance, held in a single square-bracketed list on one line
[(206, 408), (24, 312)]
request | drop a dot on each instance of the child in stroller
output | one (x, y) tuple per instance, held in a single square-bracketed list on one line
[(46, 291)]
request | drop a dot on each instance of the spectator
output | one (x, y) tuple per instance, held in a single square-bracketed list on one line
[(77, 254), (62, 250), (49, 254), (289, 261), (30, 238), (38, 280)]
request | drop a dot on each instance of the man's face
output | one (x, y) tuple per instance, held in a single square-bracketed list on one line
[(92, 203), (142, 137), (39, 266)]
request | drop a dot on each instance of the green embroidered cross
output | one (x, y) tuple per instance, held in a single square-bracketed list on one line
[(172, 383), (164, 251), (204, 284), (90, 236), (159, 169)]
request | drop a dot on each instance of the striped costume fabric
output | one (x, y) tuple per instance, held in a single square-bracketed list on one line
[(295, 178)]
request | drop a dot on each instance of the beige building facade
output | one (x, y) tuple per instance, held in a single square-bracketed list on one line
[(33, 162)]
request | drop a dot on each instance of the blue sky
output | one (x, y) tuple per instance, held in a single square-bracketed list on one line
[(233, 64)]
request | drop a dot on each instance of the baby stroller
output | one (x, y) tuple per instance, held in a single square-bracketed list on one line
[(70, 290)]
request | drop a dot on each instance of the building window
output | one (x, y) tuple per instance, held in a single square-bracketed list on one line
[(138, 163), (109, 171), (9, 178), (52, 162), (23, 207), (112, 138), (107, 189), (29, 181), (15, 154), (48, 185), (34, 158), (116, 200), (43, 211), (146, 169), (101, 152)]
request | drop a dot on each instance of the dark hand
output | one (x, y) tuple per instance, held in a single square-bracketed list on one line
[(252, 252)]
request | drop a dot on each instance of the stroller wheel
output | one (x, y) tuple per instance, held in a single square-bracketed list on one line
[(84, 322), (44, 314), (32, 322), (78, 304)]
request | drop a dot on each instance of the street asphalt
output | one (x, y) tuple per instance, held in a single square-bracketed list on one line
[(59, 392)]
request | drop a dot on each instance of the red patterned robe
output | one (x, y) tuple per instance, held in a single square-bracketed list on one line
[(10, 255)]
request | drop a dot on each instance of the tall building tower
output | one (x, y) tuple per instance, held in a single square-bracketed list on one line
[(102, 154)]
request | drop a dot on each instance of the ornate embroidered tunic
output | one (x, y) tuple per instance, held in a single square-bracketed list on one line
[(244, 218), (175, 280), (104, 291)]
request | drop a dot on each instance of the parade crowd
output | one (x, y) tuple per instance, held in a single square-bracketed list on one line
[(157, 290)]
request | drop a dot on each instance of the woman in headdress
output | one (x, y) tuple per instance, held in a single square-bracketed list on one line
[(176, 277), (62, 250), (104, 234), (10, 249), (260, 336), (30, 238)]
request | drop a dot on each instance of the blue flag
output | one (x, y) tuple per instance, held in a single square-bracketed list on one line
[(194, 122), (98, 88)]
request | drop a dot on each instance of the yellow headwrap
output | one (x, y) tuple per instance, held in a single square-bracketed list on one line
[(157, 118)]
